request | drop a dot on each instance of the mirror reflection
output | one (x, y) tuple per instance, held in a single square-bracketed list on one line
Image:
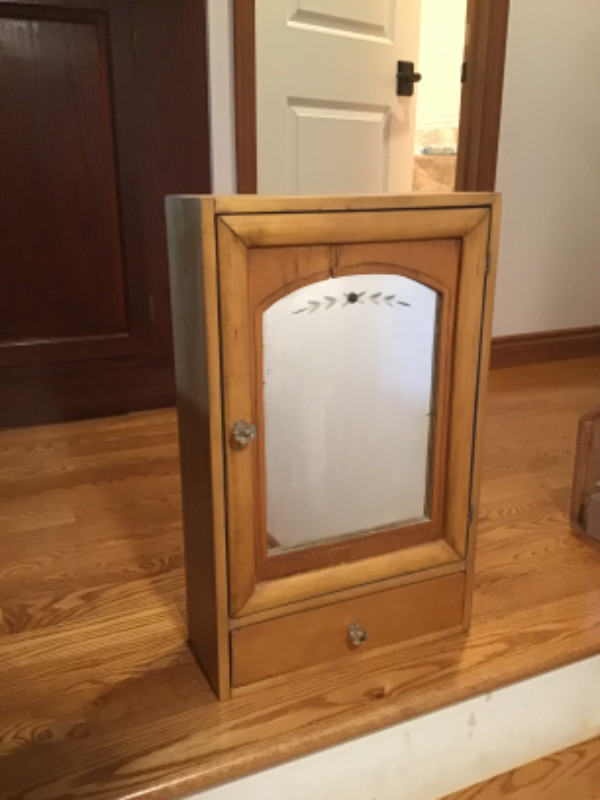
[(348, 373)]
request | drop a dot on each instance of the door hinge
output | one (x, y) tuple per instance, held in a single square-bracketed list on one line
[(152, 310), (488, 262), (471, 515), (463, 72)]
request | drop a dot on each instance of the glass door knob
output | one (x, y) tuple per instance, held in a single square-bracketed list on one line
[(243, 432)]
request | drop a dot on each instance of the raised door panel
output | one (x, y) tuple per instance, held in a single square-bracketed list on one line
[(63, 268), (325, 138), (354, 17)]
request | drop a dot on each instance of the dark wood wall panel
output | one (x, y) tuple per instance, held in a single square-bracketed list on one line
[(159, 65), (104, 112), (38, 396)]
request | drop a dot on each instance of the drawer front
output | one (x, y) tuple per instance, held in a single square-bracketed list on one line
[(300, 640)]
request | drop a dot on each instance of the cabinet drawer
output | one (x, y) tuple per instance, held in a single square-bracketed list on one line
[(304, 639)]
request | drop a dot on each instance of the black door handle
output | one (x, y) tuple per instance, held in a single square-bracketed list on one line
[(406, 77)]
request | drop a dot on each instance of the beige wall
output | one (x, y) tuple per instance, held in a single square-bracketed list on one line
[(549, 168)]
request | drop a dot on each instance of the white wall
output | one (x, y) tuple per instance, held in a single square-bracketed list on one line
[(549, 168), (221, 96)]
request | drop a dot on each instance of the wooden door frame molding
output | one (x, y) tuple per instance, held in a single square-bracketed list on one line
[(481, 100), (244, 64)]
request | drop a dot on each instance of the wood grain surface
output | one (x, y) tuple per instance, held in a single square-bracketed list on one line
[(100, 696), (481, 98), (193, 272), (573, 773), (105, 111), (260, 204), (274, 272), (532, 348), (320, 635)]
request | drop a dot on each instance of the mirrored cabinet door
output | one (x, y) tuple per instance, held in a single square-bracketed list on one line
[(343, 409)]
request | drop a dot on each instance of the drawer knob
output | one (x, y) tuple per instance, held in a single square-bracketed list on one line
[(243, 432), (356, 635)]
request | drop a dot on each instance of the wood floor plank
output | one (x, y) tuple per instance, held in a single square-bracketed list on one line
[(572, 773), (40, 512), (99, 695)]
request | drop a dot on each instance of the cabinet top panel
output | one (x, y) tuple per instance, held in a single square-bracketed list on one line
[(241, 204)]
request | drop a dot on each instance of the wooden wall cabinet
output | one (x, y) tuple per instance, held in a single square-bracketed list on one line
[(331, 355)]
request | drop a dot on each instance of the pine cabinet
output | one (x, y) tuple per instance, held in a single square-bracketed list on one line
[(331, 355)]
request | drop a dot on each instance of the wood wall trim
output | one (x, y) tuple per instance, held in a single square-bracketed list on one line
[(481, 100), (532, 348), (487, 25), (60, 393), (245, 94)]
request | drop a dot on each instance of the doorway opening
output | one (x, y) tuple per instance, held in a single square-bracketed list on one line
[(441, 55), (474, 161)]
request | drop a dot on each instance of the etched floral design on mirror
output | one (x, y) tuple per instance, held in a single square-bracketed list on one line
[(348, 392)]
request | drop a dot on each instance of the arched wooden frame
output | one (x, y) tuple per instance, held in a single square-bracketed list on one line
[(345, 549), (485, 45)]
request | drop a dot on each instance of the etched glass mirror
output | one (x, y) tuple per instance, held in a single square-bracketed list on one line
[(348, 389)]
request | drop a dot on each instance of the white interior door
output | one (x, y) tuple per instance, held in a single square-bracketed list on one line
[(328, 118)]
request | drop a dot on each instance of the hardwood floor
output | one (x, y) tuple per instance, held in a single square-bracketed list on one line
[(99, 695), (572, 774)]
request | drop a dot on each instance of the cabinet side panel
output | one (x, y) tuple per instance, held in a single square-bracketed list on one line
[(484, 367), (190, 224), (465, 377)]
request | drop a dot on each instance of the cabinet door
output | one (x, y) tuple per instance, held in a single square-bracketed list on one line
[(350, 344)]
